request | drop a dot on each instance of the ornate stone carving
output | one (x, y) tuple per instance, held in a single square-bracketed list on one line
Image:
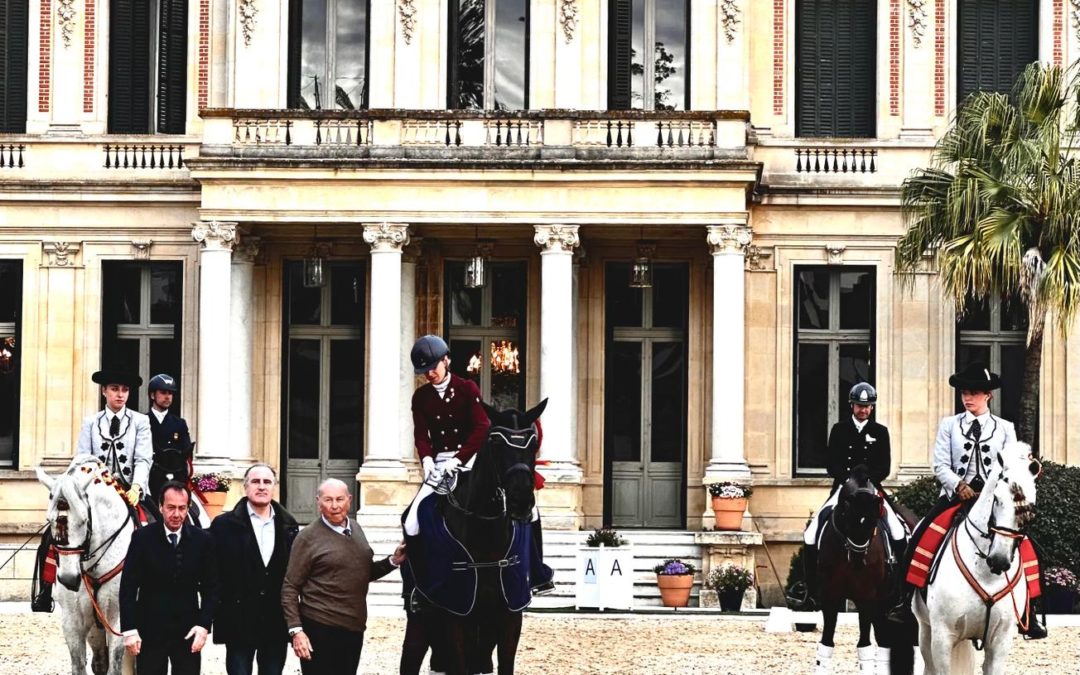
[(60, 253), (247, 249), (65, 14), (141, 248), (759, 259), (568, 13), (728, 238), (1076, 17), (386, 236), (836, 253), (729, 18), (917, 20), (247, 11), (556, 238), (407, 16), (214, 235)]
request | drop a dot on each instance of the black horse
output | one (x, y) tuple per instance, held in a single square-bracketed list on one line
[(488, 514), (854, 565)]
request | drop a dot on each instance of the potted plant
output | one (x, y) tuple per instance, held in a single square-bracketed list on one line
[(675, 579), (730, 582), (212, 489), (729, 503), (1061, 590), (605, 567)]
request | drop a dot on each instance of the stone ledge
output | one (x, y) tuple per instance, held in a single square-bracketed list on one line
[(728, 538)]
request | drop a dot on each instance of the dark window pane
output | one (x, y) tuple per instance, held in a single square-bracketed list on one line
[(622, 304), (10, 290), (350, 62), (346, 295), (668, 401), (1014, 314), (670, 53), (165, 358), (1012, 381), (122, 296), (303, 399), (670, 292), (313, 55), (507, 379), (812, 405), (855, 363), (122, 355), (165, 292), (622, 402), (856, 300), (507, 295), (637, 56), (976, 315), (813, 298), (467, 360), (511, 54), (346, 400), (9, 396), (305, 304), (465, 304), (467, 54)]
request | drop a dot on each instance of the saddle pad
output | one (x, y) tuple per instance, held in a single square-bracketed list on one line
[(927, 547)]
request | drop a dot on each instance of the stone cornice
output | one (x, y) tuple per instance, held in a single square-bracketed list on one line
[(214, 235), (556, 238), (386, 237)]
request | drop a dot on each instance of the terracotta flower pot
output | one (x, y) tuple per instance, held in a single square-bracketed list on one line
[(675, 589), (215, 502), (728, 512)]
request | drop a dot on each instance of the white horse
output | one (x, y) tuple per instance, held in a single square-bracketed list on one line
[(980, 591), (91, 529)]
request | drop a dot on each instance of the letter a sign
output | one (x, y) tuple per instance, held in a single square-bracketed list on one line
[(615, 568)]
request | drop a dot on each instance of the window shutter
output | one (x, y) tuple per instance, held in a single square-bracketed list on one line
[(861, 70), (129, 67), (996, 41), (13, 45), (296, 39), (172, 67), (453, 41), (621, 22)]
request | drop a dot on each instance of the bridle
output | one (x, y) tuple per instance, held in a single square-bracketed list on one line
[(854, 548), (993, 529), (513, 438)]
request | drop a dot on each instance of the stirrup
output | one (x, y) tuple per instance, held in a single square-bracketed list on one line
[(544, 588), (1035, 630)]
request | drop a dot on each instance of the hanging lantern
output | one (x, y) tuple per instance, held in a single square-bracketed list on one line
[(313, 271), (641, 272), (474, 271)]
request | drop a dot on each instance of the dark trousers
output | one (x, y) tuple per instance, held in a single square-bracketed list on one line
[(239, 658), (334, 651), (156, 655)]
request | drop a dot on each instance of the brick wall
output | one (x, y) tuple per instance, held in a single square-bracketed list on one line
[(89, 44), (778, 57), (45, 57)]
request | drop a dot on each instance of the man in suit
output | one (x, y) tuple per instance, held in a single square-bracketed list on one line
[(857, 440), (253, 543), (169, 590)]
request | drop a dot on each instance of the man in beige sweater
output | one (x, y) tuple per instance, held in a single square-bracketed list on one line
[(324, 595)]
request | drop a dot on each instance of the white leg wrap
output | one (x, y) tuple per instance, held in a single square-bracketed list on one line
[(824, 660), (883, 654), (867, 659)]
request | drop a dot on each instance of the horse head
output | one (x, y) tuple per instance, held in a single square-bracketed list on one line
[(1013, 507), (512, 445), (858, 510)]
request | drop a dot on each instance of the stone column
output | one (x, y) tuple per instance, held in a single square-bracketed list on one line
[(410, 256), (727, 243), (215, 257), (241, 345), (562, 495)]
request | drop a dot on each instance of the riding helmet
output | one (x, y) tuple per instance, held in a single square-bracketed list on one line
[(427, 352), (863, 394), (162, 382)]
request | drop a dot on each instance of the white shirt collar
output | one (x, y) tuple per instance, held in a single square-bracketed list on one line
[(159, 415), (983, 418), (109, 414), (340, 529), (859, 425), (252, 514)]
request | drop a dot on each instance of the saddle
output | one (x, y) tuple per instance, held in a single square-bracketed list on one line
[(170, 464)]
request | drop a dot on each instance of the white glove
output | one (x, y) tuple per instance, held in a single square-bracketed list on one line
[(429, 468), (450, 466)]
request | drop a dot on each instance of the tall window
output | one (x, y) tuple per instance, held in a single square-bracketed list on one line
[(486, 331), (488, 54), (10, 351), (835, 78), (328, 54), (994, 332), (995, 40), (148, 66), (834, 350), (141, 321), (648, 49), (13, 41)]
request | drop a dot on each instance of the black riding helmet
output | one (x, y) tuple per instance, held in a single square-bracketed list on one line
[(427, 352), (162, 382), (863, 394)]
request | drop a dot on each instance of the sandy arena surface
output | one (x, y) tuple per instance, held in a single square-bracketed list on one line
[(31, 644)]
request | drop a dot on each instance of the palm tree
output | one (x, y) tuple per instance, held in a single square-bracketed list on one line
[(998, 208)]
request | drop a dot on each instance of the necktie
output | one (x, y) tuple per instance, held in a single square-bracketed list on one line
[(114, 426), (976, 430), (347, 532), (173, 539)]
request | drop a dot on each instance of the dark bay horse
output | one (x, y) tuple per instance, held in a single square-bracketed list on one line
[(853, 565), (488, 514)]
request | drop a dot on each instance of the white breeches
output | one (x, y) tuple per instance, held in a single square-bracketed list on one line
[(896, 527), (412, 524)]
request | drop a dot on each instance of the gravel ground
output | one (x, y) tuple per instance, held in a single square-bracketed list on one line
[(559, 643)]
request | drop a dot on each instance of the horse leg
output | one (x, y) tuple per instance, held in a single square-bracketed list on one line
[(941, 648), (74, 622), (509, 636), (823, 664), (486, 637), (456, 646), (865, 621), (999, 640), (99, 652), (866, 651)]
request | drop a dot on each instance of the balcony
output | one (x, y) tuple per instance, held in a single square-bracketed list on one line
[(473, 138)]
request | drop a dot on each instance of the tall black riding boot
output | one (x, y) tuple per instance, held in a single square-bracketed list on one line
[(810, 578), (543, 578), (901, 612), (1035, 630), (41, 599)]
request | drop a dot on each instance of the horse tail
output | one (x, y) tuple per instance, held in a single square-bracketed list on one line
[(963, 657)]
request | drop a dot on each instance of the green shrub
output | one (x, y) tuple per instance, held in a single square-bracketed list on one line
[(919, 495), (794, 589), (1057, 517), (606, 536)]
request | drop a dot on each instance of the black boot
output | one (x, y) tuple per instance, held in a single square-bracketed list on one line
[(901, 613), (43, 600), (810, 578), (1035, 630), (542, 575)]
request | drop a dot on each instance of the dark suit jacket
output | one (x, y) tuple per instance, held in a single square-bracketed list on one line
[(170, 431), (454, 423), (160, 589), (249, 608), (849, 448)]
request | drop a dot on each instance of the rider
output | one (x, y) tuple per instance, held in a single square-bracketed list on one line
[(966, 449), (168, 431), (120, 439), (854, 441)]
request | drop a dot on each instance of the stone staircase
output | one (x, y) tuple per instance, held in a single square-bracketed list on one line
[(651, 547)]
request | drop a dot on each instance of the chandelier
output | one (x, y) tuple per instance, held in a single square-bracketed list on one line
[(475, 364), (504, 358)]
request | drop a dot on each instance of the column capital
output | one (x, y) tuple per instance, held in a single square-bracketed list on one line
[(247, 249), (386, 237), (728, 238), (214, 235), (556, 238), (413, 251)]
